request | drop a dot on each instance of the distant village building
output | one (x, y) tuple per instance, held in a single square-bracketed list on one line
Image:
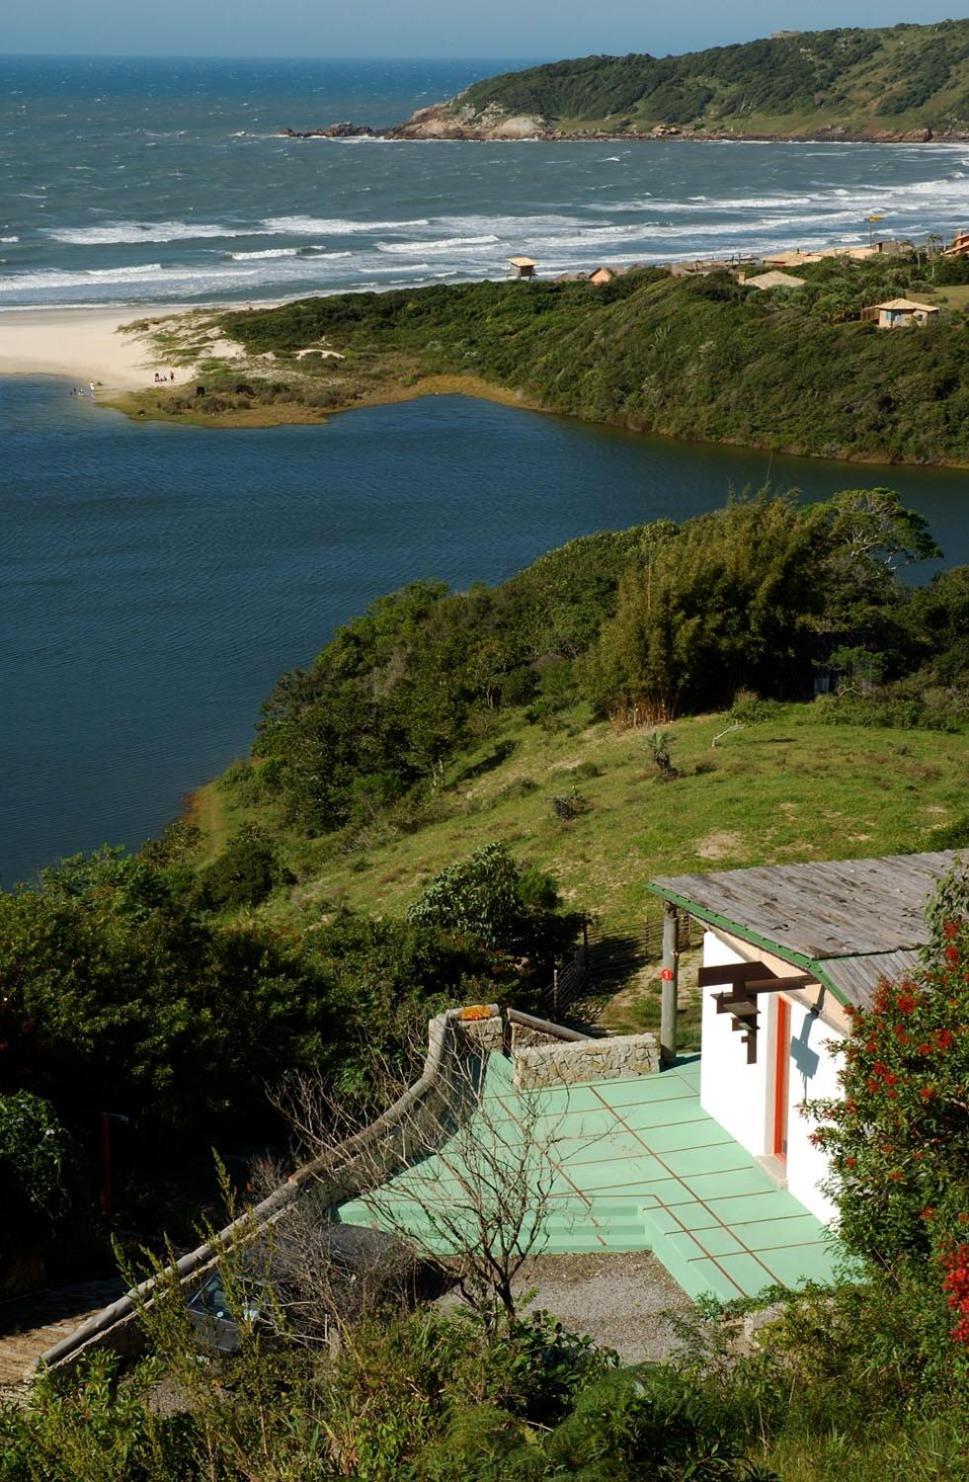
[(773, 279), (601, 275), (789, 952), (521, 267), (898, 313), (796, 259), (959, 248)]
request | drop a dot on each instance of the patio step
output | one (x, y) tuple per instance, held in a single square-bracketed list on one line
[(698, 1278)]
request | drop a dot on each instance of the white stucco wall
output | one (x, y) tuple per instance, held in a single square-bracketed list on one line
[(741, 1096), (731, 1090), (812, 1072)]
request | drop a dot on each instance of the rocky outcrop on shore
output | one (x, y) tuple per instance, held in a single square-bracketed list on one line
[(451, 121), (333, 131)]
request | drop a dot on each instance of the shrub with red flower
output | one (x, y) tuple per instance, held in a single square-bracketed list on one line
[(955, 1284), (898, 1138)]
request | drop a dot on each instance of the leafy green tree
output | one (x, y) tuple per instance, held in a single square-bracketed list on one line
[(724, 606), (245, 873), (494, 903)]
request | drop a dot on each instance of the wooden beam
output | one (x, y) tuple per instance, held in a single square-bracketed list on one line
[(741, 1008), (780, 985), (730, 975)]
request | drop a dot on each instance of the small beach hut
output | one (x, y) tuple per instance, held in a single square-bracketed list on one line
[(521, 267), (601, 275), (898, 313), (789, 952)]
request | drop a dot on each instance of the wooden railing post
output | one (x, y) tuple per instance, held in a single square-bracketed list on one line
[(670, 976)]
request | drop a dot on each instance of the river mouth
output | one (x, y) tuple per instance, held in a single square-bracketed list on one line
[(158, 579)]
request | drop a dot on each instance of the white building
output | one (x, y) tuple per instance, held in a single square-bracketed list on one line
[(786, 948)]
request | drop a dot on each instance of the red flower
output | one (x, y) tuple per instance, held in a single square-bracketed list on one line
[(927, 1092), (907, 1003), (951, 955), (945, 1039), (928, 1213), (950, 929)]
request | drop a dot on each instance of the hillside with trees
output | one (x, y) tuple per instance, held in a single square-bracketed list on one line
[(703, 357), (179, 992), (905, 81)]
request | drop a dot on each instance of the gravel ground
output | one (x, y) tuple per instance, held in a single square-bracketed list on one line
[(619, 1300)]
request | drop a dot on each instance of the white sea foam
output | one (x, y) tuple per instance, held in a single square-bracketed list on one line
[(266, 252), (458, 245), (58, 278), (312, 226), (121, 233), (9, 239)]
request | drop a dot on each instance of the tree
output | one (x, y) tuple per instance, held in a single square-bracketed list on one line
[(898, 1137), (478, 1181), (872, 525), (725, 606), (498, 905)]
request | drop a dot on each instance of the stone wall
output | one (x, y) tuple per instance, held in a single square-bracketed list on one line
[(589, 1060)]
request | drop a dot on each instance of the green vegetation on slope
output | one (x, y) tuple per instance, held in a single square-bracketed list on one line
[(647, 625), (700, 358), (864, 82)]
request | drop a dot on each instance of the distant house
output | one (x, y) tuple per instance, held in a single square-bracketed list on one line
[(521, 267), (774, 279), (601, 275), (960, 247), (786, 951), (795, 259), (897, 313)]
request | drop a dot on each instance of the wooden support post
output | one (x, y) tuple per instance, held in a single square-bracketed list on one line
[(670, 978)]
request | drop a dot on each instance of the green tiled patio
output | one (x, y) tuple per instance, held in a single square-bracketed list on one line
[(640, 1166)]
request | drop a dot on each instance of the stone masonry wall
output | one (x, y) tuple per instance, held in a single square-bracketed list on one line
[(589, 1060)]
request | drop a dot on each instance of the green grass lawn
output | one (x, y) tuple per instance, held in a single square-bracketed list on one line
[(780, 790)]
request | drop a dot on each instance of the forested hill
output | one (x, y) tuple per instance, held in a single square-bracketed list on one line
[(890, 82)]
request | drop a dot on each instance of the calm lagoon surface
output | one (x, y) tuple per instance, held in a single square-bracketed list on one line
[(157, 580)]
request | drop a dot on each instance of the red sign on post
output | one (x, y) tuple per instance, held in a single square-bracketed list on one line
[(667, 975)]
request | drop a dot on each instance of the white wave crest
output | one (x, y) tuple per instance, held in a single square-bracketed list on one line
[(266, 252), (6, 240), (58, 278), (446, 245), (121, 233), (312, 226)]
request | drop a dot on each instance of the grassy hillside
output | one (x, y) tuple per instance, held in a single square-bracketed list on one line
[(786, 787), (698, 358), (886, 81)]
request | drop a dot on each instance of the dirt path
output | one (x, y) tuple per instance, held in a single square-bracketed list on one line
[(31, 1325)]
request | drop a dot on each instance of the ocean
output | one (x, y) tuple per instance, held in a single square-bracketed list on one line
[(127, 181)]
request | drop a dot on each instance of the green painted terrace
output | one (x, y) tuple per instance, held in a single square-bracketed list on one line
[(636, 1165)]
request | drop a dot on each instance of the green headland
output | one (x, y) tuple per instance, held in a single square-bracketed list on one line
[(703, 356)]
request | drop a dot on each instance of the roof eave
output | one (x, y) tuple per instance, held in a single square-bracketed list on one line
[(713, 918)]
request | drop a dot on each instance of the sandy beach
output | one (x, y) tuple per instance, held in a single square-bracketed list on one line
[(86, 345), (82, 344)]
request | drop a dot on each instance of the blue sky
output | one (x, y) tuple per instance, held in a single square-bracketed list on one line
[(425, 28)]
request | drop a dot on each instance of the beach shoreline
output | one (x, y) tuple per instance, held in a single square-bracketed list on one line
[(82, 345)]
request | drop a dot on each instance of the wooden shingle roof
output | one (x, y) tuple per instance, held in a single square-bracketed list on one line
[(847, 922)]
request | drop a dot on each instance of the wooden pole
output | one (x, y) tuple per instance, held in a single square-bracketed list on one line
[(670, 979)]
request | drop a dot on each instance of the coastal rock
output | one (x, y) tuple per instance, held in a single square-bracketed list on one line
[(334, 131), (445, 121)]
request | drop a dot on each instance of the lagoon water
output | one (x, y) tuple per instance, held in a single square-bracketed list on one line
[(156, 580)]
